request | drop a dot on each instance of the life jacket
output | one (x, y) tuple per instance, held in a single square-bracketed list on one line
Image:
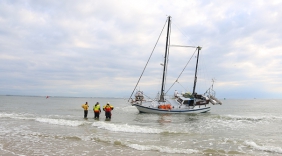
[(165, 106), (168, 106), (96, 108), (108, 109)]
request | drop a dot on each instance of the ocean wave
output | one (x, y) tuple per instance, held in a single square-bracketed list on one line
[(263, 148), (251, 118), (22, 116), (61, 122), (162, 149), (126, 128)]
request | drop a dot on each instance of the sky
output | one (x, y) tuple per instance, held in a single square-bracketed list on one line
[(99, 48)]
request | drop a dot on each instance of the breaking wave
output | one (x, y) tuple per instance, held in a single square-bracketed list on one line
[(126, 128), (263, 147), (22, 116), (162, 149), (252, 118), (62, 122)]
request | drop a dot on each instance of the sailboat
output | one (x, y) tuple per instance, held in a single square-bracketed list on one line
[(180, 102)]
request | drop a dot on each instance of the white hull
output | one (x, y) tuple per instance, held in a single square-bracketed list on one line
[(196, 109), (176, 107)]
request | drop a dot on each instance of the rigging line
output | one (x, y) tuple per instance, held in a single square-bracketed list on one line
[(148, 97), (182, 86), (147, 61), (187, 37), (182, 70), (183, 46)]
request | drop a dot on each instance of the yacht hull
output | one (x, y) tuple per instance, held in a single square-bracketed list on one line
[(155, 110)]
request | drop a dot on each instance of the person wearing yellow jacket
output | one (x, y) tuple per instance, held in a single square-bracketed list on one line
[(97, 110), (85, 107), (108, 108)]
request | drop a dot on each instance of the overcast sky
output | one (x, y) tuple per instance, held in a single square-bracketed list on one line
[(99, 48)]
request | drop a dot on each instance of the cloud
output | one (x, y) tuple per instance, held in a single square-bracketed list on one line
[(74, 48)]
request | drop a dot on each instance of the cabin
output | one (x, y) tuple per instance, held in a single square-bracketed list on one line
[(186, 101)]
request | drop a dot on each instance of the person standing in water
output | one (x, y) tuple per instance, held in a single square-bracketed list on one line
[(85, 107), (108, 108), (97, 110)]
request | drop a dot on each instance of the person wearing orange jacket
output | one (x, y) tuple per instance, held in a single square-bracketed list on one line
[(108, 108), (85, 107)]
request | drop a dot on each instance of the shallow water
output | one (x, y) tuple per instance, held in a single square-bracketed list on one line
[(55, 126)]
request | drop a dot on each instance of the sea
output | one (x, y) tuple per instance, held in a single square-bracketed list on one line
[(34, 125)]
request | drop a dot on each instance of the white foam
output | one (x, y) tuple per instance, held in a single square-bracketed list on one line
[(162, 149), (129, 109), (126, 128), (62, 122), (17, 116), (264, 148), (255, 118), (6, 115)]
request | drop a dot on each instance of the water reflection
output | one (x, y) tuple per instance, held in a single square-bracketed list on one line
[(164, 119)]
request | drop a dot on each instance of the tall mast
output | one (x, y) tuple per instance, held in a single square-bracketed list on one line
[(195, 79), (165, 62)]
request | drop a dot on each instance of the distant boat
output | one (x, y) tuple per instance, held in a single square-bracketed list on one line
[(179, 103)]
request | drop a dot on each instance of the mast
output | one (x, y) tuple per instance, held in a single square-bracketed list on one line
[(165, 62), (195, 79)]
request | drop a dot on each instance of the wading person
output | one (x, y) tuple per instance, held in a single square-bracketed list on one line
[(108, 108), (96, 110), (85, 107)]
